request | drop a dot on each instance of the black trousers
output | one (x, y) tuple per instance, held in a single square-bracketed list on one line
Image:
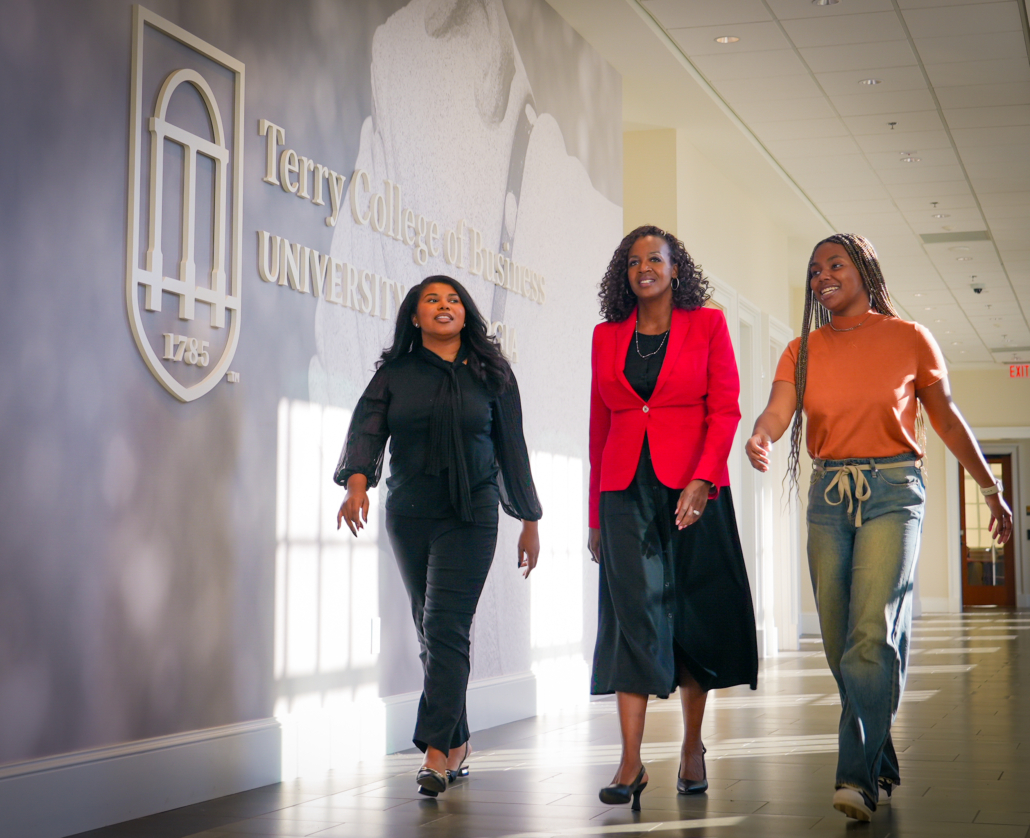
[(444, 563)]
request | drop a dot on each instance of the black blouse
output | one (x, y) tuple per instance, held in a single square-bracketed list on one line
[(399, 405), (642, 373)]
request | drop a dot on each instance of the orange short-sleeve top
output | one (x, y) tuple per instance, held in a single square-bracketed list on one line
[(860, 391)]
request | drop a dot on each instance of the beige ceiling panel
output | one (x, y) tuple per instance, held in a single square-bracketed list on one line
[(857, 193), (880, 123), (966, 138), (831, 59), (874, 27), (989, 117), (791, 9), (945, 203), (918, 173), (788, 109), (799, 128), (993, 71), (1018, 213), (875, 102), (753, 37), (896, 143), (923, 222), (928, 157), (841, 178), (891, 79), (1006, 165), (928, 190), (882, 205), (812, 147), (963, 20), (1010, 184), (972, 47), (747, 65), (1002, 200), (984, 95), (675, 14), (768, 89)]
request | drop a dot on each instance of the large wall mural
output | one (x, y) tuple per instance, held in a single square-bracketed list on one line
[(228, 202)]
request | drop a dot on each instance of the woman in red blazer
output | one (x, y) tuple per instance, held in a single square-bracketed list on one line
[(674, 604)]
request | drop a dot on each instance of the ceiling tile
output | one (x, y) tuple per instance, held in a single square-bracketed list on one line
[(924, 222), (791, 9), (972, 47), (789, 109), (1002, 200), (879, 123), (799, 128), (763, 89), (928, 157), (857, 193), (871, 28), (984, 95), (928, 190), (675, 14), (891, 79), (897, 142), (945, 202), (1021, 212), (963, 20), (753, 37), (996, 116), (744, 65), (882, 205), (823, 59), (917, 173), (1015, 183), (978, 72), (812, 147), (966, 138), (875, 102)]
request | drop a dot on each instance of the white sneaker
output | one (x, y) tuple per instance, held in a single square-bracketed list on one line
[(853, 804)]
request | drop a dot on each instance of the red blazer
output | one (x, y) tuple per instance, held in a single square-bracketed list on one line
[(690, 418)]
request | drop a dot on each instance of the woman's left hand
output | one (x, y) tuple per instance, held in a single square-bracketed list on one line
[(692, 502), (1001, 518), (529, 547)]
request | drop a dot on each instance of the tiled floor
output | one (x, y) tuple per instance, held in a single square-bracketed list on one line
[(963, 736)]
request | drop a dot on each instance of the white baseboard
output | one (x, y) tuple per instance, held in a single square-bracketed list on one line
[(71, 793), (810, 624), (937, 605), (490, 702)]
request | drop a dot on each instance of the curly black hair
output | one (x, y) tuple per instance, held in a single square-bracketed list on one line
[(618, 299)]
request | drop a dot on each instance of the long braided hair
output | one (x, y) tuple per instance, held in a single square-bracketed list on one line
[(618, 300), (862, 253)]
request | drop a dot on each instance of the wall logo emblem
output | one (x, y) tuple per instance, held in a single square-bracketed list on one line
[(183, 269)]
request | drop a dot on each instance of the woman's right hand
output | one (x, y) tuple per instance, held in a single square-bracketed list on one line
[(758, 449), (594, 544), (354, 509)]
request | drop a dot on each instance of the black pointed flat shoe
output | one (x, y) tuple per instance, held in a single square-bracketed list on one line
[(622, 792), (430, 781), (693, 786)]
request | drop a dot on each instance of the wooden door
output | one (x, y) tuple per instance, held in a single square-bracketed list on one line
[(988, 568)]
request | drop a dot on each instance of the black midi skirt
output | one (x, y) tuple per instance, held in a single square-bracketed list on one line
[(670, 598)]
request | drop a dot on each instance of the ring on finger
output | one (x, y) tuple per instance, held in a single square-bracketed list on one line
[(695, 512)]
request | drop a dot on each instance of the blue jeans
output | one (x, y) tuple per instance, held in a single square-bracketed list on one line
[(862, 577)]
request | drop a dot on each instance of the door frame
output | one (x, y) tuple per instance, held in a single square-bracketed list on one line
[(989, 438), (1011, 587)]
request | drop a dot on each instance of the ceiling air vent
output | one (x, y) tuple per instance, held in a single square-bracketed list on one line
[(950, 238)]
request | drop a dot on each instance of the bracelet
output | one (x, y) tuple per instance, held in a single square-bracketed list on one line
[(995, 489)]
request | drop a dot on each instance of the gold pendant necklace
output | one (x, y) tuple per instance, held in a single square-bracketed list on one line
[(850, 328)]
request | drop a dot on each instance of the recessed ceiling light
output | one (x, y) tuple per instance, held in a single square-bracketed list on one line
[(870, 82), (943, 215), (956, 343), (825, 2), (918, 294), (959, 249), (911, 159), (928, 308), (727, 39), (938, 320), (964, 259)]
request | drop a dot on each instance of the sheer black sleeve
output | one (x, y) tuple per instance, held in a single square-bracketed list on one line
[(366, 438), (518, 494)]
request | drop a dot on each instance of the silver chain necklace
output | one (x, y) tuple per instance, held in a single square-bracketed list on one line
[(850, 328), (636, 336)]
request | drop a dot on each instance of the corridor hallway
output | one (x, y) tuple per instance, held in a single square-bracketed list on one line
[(963, 736)]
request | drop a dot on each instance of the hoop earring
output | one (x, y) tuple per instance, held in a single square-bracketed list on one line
[(675, 283)]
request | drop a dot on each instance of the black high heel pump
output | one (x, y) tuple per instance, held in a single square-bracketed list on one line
[(430, 782), (621, 792), (462, 770), (694, 786)]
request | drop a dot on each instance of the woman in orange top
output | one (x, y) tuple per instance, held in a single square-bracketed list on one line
[(860, 377)]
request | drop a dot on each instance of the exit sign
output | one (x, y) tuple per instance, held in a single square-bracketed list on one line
[(1019, 370)]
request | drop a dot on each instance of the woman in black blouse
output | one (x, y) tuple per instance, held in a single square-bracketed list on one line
[(448, 401)]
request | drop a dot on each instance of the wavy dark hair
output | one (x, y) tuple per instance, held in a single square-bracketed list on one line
[(861, 251), (485, 358), (618, 299)]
